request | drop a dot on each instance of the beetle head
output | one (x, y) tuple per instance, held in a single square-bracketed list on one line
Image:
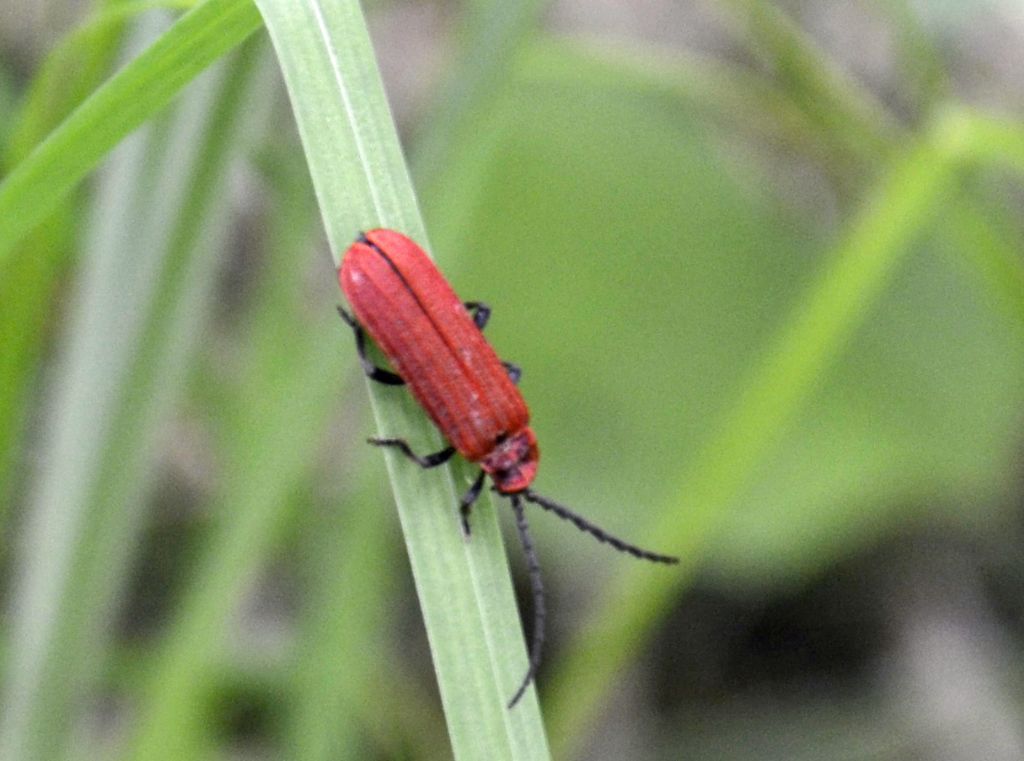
[(512, 464)]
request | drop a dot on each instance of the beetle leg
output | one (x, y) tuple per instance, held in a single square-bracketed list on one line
[(466, 503), (515, 372), (373, 372), (481, 312), (427, 461)]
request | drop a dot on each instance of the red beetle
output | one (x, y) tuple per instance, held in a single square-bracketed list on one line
[(436, 344)]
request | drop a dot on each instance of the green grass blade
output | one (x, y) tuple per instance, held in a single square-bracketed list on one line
[(346, 558), (269, 441), (857, 121), (982, 139), (991, 257), (340, 650), (143, 291), (32, 273), (27, 288), (131, 96), (494, 34), (290, 385), (72, 70), (863, 131), (361, 181), (792, 368), (730, 95), (918, 58)]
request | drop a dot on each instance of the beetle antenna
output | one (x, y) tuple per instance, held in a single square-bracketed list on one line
[(539, 612), (598, 533)]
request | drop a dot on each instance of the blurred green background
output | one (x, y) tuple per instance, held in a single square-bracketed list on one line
[(761, 265)]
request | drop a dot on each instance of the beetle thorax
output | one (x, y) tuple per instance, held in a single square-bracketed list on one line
[(512, 464)]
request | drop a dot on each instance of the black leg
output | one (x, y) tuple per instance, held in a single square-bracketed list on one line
[(427, 461), (539, 612), (602, 536), (470, 497), (373, 372), (481, 312), (515, 372)]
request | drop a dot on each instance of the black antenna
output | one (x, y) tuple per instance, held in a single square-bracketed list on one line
[(539, 612), (601, 535)]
